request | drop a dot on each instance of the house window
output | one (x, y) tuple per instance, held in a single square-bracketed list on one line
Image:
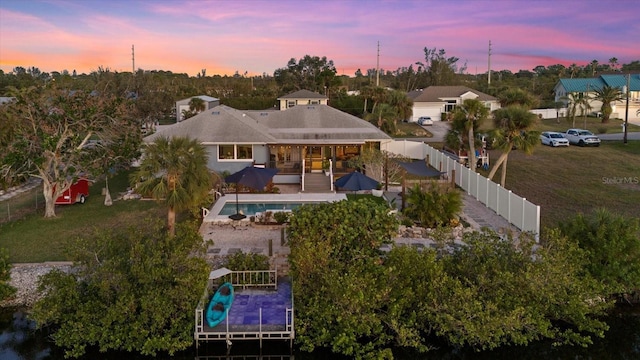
[(245, 152), (450, 105), (235, 152), (226, 152), (291, 103)]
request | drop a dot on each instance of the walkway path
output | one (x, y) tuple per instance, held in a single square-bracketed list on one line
[(16, 190)]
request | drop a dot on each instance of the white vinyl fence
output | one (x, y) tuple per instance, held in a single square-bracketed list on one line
[(515, 209)]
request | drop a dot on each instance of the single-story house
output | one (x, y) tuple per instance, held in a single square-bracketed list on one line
[(588, 86), (302, 97), (209, 103), (301, 139), (435, 101)]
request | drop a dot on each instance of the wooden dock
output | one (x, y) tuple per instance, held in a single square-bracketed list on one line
[(262, 308)]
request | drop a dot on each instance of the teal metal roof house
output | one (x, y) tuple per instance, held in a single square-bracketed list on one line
[(589, 85)]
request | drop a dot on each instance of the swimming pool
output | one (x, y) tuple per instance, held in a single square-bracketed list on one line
[(250, 204), (252, 208)]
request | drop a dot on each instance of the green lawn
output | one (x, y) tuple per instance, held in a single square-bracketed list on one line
[(411, 129), (36, 239), (567, 181)]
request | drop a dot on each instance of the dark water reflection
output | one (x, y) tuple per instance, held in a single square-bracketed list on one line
[(19, 341)]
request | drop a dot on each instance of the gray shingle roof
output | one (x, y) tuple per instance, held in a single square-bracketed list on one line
[(317, 124), (221, 124), (438, 93), (312, 124), (303, 94)]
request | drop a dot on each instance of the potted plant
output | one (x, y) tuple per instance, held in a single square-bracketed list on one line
[(325, 166), (377, 191)]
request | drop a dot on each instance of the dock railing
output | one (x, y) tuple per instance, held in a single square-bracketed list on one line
[(244, 280), (253, 278)]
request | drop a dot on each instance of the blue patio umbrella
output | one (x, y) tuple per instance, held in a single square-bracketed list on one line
[(356, 181), (253, 177)]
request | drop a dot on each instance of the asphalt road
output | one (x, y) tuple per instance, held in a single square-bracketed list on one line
[(439, 130), (619, 136)]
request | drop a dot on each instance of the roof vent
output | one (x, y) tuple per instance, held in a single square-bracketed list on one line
[(311, 107), (215, 113), (264, 114)]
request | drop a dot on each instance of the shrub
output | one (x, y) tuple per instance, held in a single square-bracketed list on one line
[(247, 261), (406, 221), (6, 290), (281, 217), (435, 207)]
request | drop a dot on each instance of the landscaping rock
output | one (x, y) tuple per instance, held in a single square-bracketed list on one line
[(24, 277)]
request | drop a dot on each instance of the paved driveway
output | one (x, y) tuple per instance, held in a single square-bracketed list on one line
[(439, 130)]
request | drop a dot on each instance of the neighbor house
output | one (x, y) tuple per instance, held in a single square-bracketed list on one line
[(588, 87), (181, 105), (302, 97), (435, 101), (299, 140)]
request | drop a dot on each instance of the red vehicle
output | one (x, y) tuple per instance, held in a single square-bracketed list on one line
[(77, 193)]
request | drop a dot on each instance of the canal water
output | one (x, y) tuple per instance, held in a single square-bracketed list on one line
[(20, 341)]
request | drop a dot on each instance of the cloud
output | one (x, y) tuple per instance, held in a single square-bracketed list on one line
[(261, 36)]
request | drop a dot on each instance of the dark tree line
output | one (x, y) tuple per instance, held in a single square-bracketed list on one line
[(313, 73)]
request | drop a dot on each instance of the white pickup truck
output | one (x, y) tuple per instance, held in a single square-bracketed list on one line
[(582, 137)]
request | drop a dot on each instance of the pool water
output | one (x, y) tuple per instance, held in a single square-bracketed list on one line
[(252, 208)]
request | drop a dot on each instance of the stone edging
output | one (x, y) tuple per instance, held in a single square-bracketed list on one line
[(24, 277)]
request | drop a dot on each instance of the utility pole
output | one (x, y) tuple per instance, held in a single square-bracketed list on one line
[(378, 66), (626, 109), (133, 61), (489, 78)]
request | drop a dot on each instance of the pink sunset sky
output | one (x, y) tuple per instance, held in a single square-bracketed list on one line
[(260, 36)]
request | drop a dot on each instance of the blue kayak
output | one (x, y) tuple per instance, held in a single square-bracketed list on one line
[(219, 305)]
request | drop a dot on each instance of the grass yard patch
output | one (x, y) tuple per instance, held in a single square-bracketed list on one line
[(36, 239), (567, 181), (411, 129)]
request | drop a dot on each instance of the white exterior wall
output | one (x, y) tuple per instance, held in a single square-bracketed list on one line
[(301, 101), (433, 110)]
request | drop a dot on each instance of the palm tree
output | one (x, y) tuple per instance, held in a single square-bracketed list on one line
[(384, 117), (594, 67), (402, 104), (366, 92), (196, 105), (513, 129), (174, 171), (379, 95), (608, 95), (575, 101), (471, 113), (517, 96)]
